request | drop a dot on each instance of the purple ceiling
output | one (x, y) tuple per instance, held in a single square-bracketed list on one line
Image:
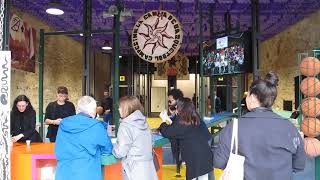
[(275, 16)]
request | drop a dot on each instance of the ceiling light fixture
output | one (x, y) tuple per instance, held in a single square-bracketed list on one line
[(106, 48), (54, 9), (107, 45), (81, 34)]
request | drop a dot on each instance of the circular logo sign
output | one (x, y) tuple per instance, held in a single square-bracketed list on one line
[(157, 36)]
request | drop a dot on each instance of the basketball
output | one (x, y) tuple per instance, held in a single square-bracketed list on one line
[(310, 66), (310, 86), (312, 147), (310, 107), (310, 127)]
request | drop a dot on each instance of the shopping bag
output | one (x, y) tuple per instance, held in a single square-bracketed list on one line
[(235, 166)]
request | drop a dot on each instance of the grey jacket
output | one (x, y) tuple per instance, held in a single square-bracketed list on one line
[(272, 146), (134, 146)]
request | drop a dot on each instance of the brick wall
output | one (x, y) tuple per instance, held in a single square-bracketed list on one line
[(279, 53), (62, 66)]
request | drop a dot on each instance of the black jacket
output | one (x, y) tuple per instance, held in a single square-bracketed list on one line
[(55, 111), (272, 146), (25, 123), (194, 146)]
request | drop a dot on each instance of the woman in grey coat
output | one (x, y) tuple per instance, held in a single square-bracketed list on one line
[(134, 142), (272, 146)]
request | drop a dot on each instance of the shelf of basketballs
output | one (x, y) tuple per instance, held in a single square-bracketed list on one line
[(310, 105)]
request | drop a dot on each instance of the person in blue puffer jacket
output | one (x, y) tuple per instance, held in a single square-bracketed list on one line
[(80, 142)]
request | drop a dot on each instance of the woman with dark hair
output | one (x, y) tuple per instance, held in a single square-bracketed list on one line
[(23, 121), (271, 145), (170, 116), (193, 137)]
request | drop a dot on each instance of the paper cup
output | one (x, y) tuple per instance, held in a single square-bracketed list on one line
[(28, 142)]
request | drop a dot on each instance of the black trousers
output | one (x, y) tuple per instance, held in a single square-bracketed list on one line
[(176, 153)]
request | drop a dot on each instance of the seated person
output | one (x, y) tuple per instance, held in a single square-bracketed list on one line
[(80, 142), (23, 121)]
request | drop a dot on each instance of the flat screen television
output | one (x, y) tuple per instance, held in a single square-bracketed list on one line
[(229, 55)]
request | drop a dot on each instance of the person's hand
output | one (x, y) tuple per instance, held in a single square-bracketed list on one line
[(163, 115), (17, 138), (57, 121), (165, 118)]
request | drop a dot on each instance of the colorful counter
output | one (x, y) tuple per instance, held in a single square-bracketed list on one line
[(27, 163), (38, 161), (112, 168)]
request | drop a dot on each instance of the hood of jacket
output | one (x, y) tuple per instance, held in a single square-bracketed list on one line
[(136, 119), (77, 123)]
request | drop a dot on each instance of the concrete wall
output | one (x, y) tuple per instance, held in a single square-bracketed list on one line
[(62, 66), (279, 53)]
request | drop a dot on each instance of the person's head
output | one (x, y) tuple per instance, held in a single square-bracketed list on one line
[(106, 93), (173, 96), (186, 112), (21, 104), (62, 94), (87, 105), (263, 92), (100, 110), (128, 105)]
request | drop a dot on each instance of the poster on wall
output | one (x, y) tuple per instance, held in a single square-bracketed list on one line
[(5, 138), (22, 44), (176, 66)]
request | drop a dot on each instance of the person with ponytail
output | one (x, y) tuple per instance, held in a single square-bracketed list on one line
[(272, 145), (192, 134)]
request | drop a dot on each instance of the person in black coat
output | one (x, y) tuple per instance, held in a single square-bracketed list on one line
[(272, 146), (173, 96), (55, 111), (193, 137), (23, 121)]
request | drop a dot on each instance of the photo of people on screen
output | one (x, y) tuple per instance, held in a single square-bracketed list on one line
[(225, 60)]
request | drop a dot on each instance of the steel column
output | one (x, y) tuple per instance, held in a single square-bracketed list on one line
[(87, 17), (116, 68), (255, 37), (40, 89), (202, 88), (213, 89)]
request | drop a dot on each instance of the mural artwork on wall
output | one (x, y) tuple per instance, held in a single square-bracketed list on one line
[(22, 44), (176, 66), (5, 138)]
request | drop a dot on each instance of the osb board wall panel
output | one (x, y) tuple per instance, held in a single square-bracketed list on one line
[(279, 53), (62, 66)]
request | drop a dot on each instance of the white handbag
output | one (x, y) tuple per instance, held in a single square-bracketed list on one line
[(235, 166)]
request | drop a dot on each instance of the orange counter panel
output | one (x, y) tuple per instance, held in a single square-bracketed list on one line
[(26, 162)]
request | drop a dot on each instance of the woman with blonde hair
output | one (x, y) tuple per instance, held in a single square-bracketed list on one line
[(134, 142)]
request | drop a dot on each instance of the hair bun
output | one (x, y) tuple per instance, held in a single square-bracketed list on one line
[(272, 78)]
